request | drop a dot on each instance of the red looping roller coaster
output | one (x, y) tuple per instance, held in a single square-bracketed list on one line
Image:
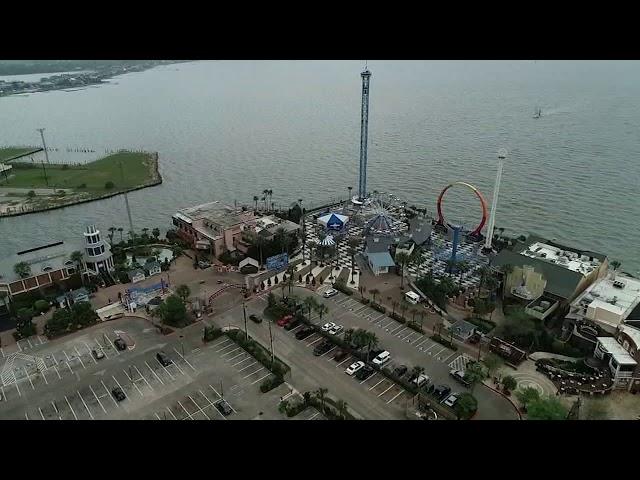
[(483, 204)]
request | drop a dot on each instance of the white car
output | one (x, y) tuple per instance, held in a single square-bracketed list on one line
[(336, 330), (330, 293), (382, 358), (328, 326), (354, 367), (451, 400), (421, 380)]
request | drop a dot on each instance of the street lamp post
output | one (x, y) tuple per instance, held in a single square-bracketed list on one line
[(244, 312)]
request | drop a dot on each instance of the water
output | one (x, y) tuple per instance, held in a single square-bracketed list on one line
[(229, 129)]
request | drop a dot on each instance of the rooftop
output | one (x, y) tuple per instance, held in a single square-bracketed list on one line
[(213, 212), (569, 259), (381, 259), (618, 295), (619, 354), (41, 259), (633, 332)]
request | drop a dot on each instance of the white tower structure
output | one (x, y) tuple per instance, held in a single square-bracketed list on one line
[(502, 155), (97, 252)]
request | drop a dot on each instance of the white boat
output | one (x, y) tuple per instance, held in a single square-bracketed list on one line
[(538, 113)]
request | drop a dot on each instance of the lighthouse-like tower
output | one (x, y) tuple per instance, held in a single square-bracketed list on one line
[(364, 132), (97, 252)]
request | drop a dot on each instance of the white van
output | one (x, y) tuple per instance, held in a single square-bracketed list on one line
[(412, 297), (382, 358)]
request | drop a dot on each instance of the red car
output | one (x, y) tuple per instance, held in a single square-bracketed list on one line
[(284, 320)]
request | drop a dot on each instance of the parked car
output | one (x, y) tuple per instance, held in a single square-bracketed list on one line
[(255, 318), (304, 332), (118, 394), (421, 380), (284, 320), (441, 391), (354, 367), (203, 264), (322, 348), (223, 407), (292, 324), (375, 352), (382, 358), (475, 338), (458, 375), (163, 359), (336, 330), (97, 354), (330, 293), (365, 372), (120, 344), (451, 400), (400, 370), (340, 355), (328, 326)]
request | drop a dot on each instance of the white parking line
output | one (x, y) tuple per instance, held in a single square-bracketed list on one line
[(76, 349), (165, 369), (344, 361), (372, 376), (377, 384), (56, 369), (176, 365), (294, 329), (99, 402), (399, 328), (15, 382), (74, 413), (134, 383), (200, 409), (242, 361), (315, 341), (29, 377), (29, 342), (390, 387), (259, 370), (154, 373), (55, 407), (375, 319), (157, 416), (219, 397), (143, 377), (230, 352), (186, 361), (450, 357), (328, 351), (188, 417), (418, 338), (41, 414), (224, 348), (313, 416), (358, 310), (85, 405), (25, 413), (390, 323), (116, 380), (224, 341), (109, 394), (19, 349), (234, 357), (398, 394), (174, 417), (439, 351), (261, 378), (2, 352), (434, 345), (244, 368)]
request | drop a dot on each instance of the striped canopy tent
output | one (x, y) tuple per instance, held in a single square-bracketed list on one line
[(328, 241)]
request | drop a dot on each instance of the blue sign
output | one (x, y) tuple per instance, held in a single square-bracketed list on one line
[(277, 262)]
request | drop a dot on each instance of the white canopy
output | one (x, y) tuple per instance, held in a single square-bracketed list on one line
[(333, 221), (328, 241)]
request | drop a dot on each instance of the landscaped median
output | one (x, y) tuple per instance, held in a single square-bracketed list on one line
[(255, 349)]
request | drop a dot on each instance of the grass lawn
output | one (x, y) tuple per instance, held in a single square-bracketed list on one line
[(11, 152), (91, 177)]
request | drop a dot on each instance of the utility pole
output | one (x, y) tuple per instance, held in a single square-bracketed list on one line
[(44, 145), (271, 342), (244, 312), (126, 199)]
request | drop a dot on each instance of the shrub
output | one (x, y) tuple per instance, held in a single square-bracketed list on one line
[(40, 306), (211, 333), (109, 185), (364, 301), (509, 383), (415, 326), (270, 383), (397, 318), (485, 326), (31, 194), (378, 307)]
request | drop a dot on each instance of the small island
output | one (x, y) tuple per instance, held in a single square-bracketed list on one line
[(28, 185)]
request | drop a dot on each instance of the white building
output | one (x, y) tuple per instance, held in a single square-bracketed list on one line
[(608, 302), (97, 252)]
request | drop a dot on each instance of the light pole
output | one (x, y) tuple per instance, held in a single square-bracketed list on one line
[(44, 145), (244, 312)]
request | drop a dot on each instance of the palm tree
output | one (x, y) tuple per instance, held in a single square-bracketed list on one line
[(421, 318), (463, 267), (111, 232), (359, 338), (394, 304), (321, 308), (402, 258), (484, 271), (255, 202), (413, 313), (264, 200), (265, 194), (22, 269), (321, 393), (403, 308), (77, 257), (342, 407), (120, 230), (372, 342), (156, 233), (311, 245), (311, 303), (374, 292), (271, 198), (145, 232)]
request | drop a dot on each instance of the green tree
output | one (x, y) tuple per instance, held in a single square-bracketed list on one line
[(342, 408), (320, 393), (22, 269), (374, 292), (527, 395), (172, 311), (183, 291), (310, 302), (58, 323), (77, 258), (493, 362), (359, 338), (255, 202), (402, 259), (403, 308), (547, 408), (466, 406), (156, 233), (372, 342), (111, 232), (109, 185), (120, 230), (474, 373), (509, 383), (83, 314), (321, 309)]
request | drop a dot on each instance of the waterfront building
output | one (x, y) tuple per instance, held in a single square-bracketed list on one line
[(621, 355), (214, 227), (97, 254), (547, 275)]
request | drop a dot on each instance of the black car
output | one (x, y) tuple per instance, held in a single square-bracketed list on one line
[(365, 372), (118, 394), (255, 318), (322, 348), (293, 324), (163, 359), (120, 344), (375, 352), (459, 376), (223, 407), (441, 391), (304, 333), (400, 371)]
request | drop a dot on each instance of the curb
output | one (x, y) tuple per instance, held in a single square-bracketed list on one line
[(508, 398)]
